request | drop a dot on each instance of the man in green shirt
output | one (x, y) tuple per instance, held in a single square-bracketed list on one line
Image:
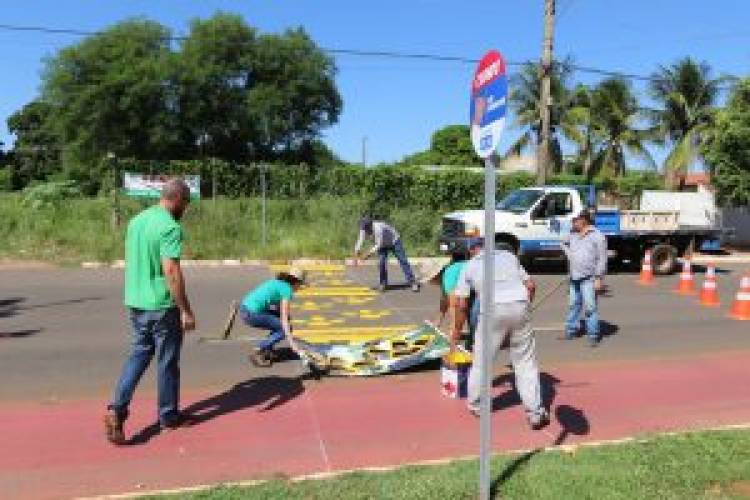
[(158, 307)]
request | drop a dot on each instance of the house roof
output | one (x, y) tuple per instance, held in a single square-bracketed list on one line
[(697, 179)]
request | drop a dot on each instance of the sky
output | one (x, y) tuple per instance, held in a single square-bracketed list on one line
[(396, 104)]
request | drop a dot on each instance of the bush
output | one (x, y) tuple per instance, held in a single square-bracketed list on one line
[(50, 194), (6, 179)]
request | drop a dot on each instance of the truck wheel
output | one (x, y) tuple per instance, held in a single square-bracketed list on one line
[(664, 259), (507, 245)]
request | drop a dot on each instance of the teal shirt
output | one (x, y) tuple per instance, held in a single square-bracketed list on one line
[(271, 292), (451, 273)]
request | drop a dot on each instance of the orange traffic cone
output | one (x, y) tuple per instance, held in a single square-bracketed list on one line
[(741, 306), (709, 290), (687, 285), (647, 270)]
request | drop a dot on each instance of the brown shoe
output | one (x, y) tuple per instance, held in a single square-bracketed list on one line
[(260, 358), (113, 429)]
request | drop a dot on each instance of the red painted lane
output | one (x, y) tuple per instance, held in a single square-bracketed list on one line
[(258, 430)]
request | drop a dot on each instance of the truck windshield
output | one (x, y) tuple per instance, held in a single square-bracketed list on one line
[(520, 201)]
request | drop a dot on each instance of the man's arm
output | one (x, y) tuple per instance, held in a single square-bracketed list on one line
[(443, 310), (531, 288), (527, 281), (360, 242), (461, 300), (176, 284), (461, 313)]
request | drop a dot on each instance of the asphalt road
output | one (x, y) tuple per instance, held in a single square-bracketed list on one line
[(63, 332)]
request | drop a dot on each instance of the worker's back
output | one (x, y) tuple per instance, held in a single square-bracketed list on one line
[(509, 277)]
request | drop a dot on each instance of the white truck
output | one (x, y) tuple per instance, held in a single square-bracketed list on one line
[(532, 222)]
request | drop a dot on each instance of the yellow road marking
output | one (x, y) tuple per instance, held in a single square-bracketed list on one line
[(336, 292), (310, 267), (380, 331)]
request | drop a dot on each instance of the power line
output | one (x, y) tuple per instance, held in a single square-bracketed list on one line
[(358, 52)]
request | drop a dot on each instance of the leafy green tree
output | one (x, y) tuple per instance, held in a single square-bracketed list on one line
[(452, 146), (686, 94), (36, 151), (249, 96), (112, 92), (615, 116), (727, 150), (292, 95), (449, 146), (215, 69)]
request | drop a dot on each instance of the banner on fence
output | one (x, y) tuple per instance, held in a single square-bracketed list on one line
[(150, 186)]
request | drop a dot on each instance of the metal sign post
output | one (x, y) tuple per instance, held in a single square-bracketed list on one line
[(488, 106), (487, 306)]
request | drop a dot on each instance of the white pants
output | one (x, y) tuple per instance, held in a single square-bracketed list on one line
[(509, 328)]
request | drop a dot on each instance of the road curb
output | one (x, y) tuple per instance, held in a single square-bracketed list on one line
[(120, 264)]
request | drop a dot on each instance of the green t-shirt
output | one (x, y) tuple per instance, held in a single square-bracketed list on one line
[(152, 235), (450, 276), (268, 293)]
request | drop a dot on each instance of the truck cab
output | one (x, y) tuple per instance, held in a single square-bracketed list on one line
[(530, 222)]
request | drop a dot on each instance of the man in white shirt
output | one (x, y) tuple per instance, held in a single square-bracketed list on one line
[(386, 240), (509, 328)]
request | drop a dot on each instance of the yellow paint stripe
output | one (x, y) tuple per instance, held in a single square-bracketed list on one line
[(310, 267), (319, 292), (349, 331)]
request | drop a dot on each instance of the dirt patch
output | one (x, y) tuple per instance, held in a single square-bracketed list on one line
[(741, 488), (737, 489)]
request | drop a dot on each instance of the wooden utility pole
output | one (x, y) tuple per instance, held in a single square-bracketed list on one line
[(545, 97)]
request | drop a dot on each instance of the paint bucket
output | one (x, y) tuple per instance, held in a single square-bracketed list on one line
[(454, 374)]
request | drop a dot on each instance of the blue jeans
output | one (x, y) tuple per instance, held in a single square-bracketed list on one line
[(473, 320), (160, 333), (267, 321), (398, 250), (582, 300)]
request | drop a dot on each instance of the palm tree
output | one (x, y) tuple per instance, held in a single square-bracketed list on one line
[(524, 97), (580, 128), (615, 115), (686, 94)]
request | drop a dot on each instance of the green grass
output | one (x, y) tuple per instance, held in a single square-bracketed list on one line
[(79, 229), (704, 465)]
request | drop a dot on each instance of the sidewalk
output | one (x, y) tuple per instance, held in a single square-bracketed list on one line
[(277, 426)]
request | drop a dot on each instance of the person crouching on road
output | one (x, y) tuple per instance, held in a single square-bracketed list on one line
[(386, 240), (268, 307), (586, 250), (447, 278), (509, 327)]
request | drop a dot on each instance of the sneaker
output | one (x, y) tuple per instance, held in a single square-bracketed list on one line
[(474, 411), (182, 420), (262, 358), (113, 429), (415, 287), (539, 421)]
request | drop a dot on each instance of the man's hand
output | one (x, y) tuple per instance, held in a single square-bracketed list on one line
[(598, 285), (188, 321)]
